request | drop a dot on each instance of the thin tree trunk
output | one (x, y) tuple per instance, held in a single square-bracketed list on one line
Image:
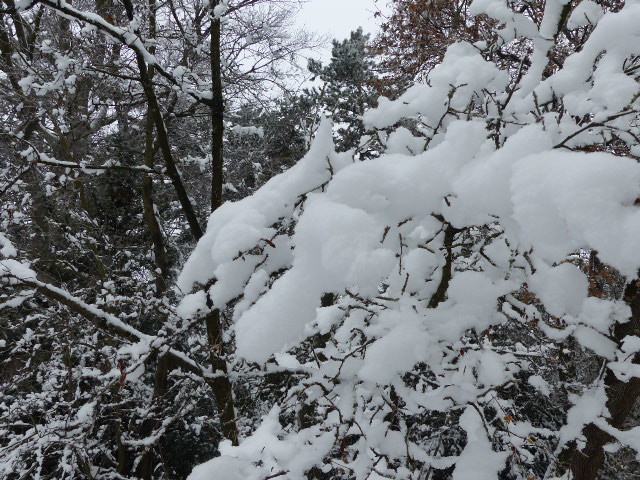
[(163, 139), (217, 114), (222, 388), (161, 381), (160, 255), (440, 294), (29, 112), (163, 365), (159, 252)]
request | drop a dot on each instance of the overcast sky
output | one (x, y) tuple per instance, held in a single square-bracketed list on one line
[(339, 17)]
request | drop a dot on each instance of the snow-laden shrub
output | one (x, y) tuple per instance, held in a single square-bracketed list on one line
[(427, 301)]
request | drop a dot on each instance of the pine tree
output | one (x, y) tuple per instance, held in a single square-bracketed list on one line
[(347, 89)]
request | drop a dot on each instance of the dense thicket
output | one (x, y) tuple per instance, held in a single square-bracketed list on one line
[(444, 286), (108, 165)]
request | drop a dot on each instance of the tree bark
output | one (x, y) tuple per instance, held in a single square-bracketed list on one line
[(165, 148), (160, 384), (586, 464), (440, 294), (163, 365), (160, 255), (222, 388), (163, 138), (217, 114), (159, 252), (221, 385)]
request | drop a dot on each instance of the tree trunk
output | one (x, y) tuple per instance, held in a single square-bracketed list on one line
[(217, 115), (440, 294), (163, 367), (221, 386), (160, 255), (586, 464), (163, 138)]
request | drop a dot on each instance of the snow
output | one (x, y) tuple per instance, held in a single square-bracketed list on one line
[(259, 131), (398, 351), (291, 456), (228, 468), (402, 141), (462, 72), (277, 318), (586, 409), (471, 305), (630, 437), (477, 460), (16, 270), (85, 413), (236, 227), (6, 247), (586, 12), (612, 40), (325, 318), (191, 304), (220, 9), (540, 384), (562, 289), (564, 201), (602, 315)]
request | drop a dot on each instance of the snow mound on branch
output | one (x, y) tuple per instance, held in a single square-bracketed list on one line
[(289, 455), (229, 468), (560, 202), (567, 200), (562, 289), (477, 460), (462, 73), (553, 202), (587, 12), (239, 226)]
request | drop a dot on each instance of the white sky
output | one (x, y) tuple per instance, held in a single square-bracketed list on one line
[(338, 18)]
